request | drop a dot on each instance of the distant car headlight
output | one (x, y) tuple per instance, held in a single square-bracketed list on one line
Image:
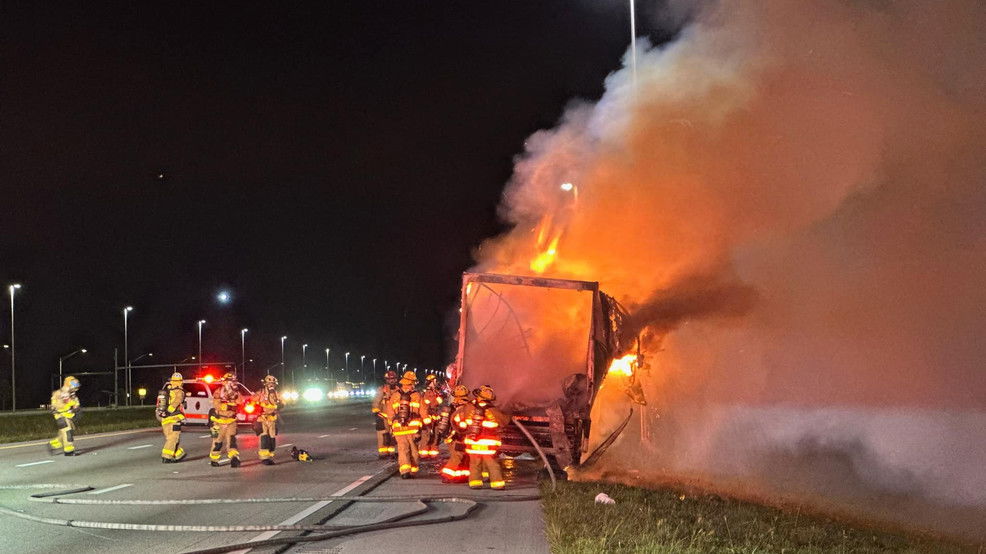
[(312, 395)]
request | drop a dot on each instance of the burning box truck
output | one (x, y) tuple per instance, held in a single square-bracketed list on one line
[(544, 345)]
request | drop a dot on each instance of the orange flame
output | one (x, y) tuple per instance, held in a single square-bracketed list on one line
[(624, 365), (547, 248)]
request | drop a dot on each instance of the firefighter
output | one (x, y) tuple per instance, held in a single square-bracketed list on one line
[(385, 442), (224, 402), (170, 412), (65, 407), (405, 413), (434, 400), (456, 469), (483, 422), (266, 425)]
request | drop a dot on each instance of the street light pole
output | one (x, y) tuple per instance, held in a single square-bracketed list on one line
[(374, 368), (284, 338), (200, 323), (13, 371), (61, 359), (362, 367), (347, 367), (327, 370), (126, 351), (304, 359), (243, 333)]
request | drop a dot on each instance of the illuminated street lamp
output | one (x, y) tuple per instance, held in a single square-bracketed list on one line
[(362, 368), (284, 338), (347, 367), (13, 371), (126, 352), (374, 368), (199, 324), (327, 350), (243, 333), (61, 359)]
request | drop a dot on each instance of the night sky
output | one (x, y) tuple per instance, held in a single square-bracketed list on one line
[(332, 164)]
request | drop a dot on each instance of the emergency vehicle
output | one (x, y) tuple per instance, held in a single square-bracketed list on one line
[(198, 401)]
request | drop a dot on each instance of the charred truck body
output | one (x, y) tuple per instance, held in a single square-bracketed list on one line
[(544, 345)]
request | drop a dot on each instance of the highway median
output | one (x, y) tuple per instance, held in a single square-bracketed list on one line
[(40, 425)]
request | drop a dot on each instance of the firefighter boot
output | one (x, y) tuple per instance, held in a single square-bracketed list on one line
[(234, 462)]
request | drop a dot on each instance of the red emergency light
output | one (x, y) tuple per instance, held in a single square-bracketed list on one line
[(249, 408), (208, 378)]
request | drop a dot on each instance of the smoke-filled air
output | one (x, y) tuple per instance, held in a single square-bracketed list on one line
[(789, 199)]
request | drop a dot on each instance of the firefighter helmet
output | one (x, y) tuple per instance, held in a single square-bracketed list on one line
[(227, 378), (176, 377), (485, 392), (461, 391), (71, 383), (409, 378), (270, 380), (390, 377)]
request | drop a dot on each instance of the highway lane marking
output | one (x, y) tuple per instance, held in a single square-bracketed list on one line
[(307, 511), (353, 428), (141, 446), (82, 438), (288, 444), (322, 436), (111, 489), (204, 436), (36, 463)]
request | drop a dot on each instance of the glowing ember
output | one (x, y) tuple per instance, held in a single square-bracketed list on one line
[(624, 365)]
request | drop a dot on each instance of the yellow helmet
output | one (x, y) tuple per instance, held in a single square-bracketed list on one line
[(485, 392), (410, 376), (461, 391), (270, 380), (71, 383), (176, 377), (228, 377)]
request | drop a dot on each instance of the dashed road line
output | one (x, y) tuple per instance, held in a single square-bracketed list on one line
[(36, 463), (139, 446), (308, 511), (288, 444), (111, 489)]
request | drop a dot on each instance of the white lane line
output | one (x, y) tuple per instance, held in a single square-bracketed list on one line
[(204, 436), (322, 436), (307, 511), (353, 428), (83, 438), (141, 446), (111, 489), (36, 463), (288, 444)]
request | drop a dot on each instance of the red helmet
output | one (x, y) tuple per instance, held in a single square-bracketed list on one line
[(390, 377)]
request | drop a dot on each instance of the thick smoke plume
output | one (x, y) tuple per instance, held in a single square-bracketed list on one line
[(792, 195)]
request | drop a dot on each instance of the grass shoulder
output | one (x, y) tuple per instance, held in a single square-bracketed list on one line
[(668, 520)]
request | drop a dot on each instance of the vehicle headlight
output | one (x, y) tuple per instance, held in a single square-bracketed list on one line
[(312, 395)]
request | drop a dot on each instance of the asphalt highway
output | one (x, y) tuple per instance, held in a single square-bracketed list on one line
[(127, 465)]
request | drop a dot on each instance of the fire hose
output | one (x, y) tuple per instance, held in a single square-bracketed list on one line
[(470, 503)]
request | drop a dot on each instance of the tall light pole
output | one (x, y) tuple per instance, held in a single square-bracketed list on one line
[(243, 333), (13, 371), (374, 368), (329, 371), (362, 368), (304, 359), (347, 367), (284, 338), (61, 359), (199, 324), (126, 351)]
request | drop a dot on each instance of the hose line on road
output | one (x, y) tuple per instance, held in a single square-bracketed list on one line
[(470, 503)]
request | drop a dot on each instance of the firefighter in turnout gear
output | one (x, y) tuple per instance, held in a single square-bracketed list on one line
[(385, 442), (224, 402), (266, 425), (434, 401), (65, 407), (483, 422), (170, 412), (405, 412), (456, 470)]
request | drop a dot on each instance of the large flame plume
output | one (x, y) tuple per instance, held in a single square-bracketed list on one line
[(791, 199)]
